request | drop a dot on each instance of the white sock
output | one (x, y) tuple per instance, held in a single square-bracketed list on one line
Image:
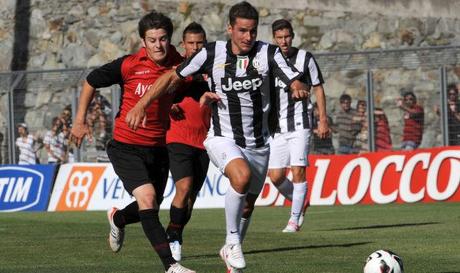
[(298, 199), (234, 203), (286, 188), (244, 224)]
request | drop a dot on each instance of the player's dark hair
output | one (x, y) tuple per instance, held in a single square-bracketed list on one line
[(155, 20), (194, 28), (242, 10), (344, 97), (282, 24)]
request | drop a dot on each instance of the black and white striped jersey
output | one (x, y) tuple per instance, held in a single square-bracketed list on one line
[(296, 115), (245, 85)]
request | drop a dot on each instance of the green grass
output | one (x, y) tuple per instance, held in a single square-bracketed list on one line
[(333, 240)]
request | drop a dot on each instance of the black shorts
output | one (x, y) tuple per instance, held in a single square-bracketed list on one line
[(137, 165), (185, 160)]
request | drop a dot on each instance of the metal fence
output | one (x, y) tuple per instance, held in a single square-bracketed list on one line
[(376, 77)]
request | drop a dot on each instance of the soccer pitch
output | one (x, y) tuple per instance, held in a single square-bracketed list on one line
[(333, 239)]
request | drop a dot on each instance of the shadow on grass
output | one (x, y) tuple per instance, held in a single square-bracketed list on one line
[(386, 226), (280, 249)]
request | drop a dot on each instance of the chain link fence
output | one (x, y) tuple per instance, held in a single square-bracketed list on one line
[(376, 79)]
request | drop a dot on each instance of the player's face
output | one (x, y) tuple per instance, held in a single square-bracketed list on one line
[(283, 38), (243, 35), (156, 42), (192, 43)]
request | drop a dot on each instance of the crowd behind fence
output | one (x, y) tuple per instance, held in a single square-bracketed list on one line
[(377, 101)]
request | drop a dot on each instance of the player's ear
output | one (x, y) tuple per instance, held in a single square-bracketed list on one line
[(229, 29), (182, 44), (143, 43)]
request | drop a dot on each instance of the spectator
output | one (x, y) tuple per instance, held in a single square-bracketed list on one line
[(55, 142), (98, 120), (66, 119), (26, 145), (344, 126), (413, 121), (360, 125), (382, 131), (66, 116), (321, 145), (453, 115)]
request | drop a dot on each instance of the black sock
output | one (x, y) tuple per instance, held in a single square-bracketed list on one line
[(126, 216), (156, 235), (176, 225)]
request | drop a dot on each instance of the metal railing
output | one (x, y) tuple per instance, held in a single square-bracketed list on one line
[(35, 97)]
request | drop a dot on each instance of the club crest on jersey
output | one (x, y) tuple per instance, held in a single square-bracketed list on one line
[(242, 63), (242, 84)]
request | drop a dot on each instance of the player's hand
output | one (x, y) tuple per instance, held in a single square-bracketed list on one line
[(300, 94), (78, 133), (208, 98), (323, 129), (135, 116), (176, 113)]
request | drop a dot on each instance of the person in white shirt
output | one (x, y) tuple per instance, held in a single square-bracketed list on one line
[(56, 143), (26, 145)]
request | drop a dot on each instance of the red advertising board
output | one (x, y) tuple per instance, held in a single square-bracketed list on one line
[(424, 175)]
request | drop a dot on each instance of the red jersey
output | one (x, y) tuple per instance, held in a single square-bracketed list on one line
[(413, 125), (193, 128), (135, 73)]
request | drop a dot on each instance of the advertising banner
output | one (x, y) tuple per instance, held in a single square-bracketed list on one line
[(25, 187), (95, 186), (424, 175)]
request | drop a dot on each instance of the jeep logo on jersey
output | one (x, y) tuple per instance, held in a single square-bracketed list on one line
[(279, 83), (243, 84), (20, 188)]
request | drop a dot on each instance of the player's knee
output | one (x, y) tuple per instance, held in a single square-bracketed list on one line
[(277, 178), (241, 179), (146, 200), (298, 174)]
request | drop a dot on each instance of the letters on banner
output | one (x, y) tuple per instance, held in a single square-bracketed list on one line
[(425, 175)]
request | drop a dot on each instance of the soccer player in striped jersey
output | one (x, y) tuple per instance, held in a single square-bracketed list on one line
[(290, 144), (240, 75)]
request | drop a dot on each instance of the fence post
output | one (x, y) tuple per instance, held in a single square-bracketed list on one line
[(370, 111), (443, 107), (11, 125)]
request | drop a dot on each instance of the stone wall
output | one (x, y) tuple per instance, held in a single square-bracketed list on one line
[(78, 33)]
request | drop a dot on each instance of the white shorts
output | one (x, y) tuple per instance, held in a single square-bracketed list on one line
[(289, 149), (222, 150)]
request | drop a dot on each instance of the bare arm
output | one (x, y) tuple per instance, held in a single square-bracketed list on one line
[(167, 83), (80, 127), (323, 127)]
